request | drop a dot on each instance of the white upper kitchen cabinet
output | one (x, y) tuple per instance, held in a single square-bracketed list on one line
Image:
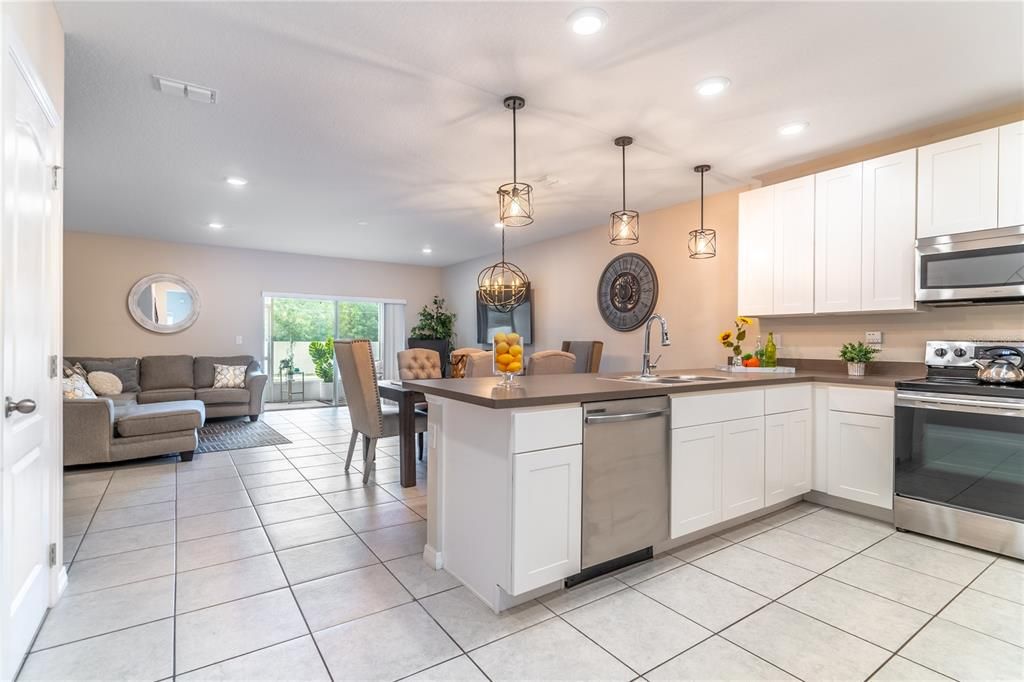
[(742, 466), (957, 185), (837, 239), (696, 490), (793, 270), (887, 231), (756, 251), (1011, 174)]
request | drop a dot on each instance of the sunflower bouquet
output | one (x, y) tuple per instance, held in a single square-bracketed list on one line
[(733, 339)]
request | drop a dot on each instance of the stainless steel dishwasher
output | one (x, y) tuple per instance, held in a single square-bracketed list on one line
[(625, 482)]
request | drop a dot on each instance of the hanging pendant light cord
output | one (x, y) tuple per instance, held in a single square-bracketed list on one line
[(515, 179), (702, 201), (623, 178), (502, 243)]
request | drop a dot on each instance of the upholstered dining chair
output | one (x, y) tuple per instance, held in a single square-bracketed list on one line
[(369, 417), (480, 364), (460, 356), (551, 362), (419, 363), (588, 355)]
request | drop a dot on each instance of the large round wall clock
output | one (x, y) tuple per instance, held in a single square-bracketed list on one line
[(627, 292)]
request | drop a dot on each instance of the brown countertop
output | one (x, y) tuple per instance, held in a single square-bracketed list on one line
[(580, 388)]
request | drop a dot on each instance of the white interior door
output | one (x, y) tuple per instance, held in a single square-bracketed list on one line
[(29, 460)]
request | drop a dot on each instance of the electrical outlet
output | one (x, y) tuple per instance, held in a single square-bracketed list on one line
[(238, 340), (873, 339)]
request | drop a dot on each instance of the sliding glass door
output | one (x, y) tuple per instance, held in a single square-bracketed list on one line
[(300, 333)]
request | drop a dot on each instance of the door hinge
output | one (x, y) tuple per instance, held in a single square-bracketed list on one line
[(54, 366), (53, 554), (55, 184)]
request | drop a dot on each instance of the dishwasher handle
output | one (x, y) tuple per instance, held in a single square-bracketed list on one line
[(624, 416)]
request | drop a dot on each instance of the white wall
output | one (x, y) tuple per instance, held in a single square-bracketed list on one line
[(99, 270)]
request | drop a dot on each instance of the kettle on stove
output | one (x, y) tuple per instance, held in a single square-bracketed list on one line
[(1001, 369)]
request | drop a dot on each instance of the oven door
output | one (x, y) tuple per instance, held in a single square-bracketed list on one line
[(961, 451), (980, 266)]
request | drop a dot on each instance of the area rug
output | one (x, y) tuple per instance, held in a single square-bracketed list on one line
[(237, 434)]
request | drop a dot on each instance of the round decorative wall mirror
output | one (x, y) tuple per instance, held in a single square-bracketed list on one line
[(164, 303)]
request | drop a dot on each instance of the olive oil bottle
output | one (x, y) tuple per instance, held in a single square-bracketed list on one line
[(770, 359)]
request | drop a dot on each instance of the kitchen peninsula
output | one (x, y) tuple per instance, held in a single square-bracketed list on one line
[(528, 485)]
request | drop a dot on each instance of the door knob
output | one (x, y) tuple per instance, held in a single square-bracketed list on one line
[(25, 406)]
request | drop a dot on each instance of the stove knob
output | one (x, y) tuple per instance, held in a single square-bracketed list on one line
[(941, 352), (960, 352)]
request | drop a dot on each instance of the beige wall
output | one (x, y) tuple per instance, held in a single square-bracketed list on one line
[(699, 297), (99, 270)]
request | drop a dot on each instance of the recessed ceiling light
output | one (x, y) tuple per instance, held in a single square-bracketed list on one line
[(587, 21), (236, 181), (362, 223), (499, 225), (794, 128), (216, 226), (709, 87), (427, 249)]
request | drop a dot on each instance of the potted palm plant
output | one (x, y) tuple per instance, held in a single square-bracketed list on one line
[(322, 355), (435, 330), (857, 356)]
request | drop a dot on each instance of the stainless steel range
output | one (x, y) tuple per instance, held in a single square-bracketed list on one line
[(960, 449)]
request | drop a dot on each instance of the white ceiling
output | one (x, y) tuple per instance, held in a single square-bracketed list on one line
[(390, 113)]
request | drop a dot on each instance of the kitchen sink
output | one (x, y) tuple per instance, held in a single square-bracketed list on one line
[(667, 379)]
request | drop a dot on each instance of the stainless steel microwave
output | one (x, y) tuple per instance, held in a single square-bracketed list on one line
[(972, 268)]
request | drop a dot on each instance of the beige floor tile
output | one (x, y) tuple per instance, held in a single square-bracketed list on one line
[(1001, 580), (263, 467), (397, 541), (472, 623), (266, 478), (306, 531), (744, 531), (352, 650), (81, 506), (238, 627), (76, 525), (564, 600), (321, 559), (350, 481), (703, 597), (695, 550), (903, 585), (798, 549), (379, 516), (635, 629), (346, 596), (549, 651), (132, 516), (208, 504), (421, 580), (126, 539), (790, 513), (217, 523), (219, 549), (937, 563), (716, 659), (648, 569), (115, 608), (964, 654), (356, 498), (461, 669), (804, 647), (221, 583), (87, 575), (761, 573), (289, 510), (899, 669), (295, 660), (279, 493), (205, 488), (834, 530), (876, 619), (206, 473), (953, 547), (993, 616), (144, 652)]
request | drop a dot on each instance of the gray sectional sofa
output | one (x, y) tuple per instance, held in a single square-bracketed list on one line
[(160, 412)]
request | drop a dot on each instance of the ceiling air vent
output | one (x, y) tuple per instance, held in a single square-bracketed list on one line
[(192, 91)]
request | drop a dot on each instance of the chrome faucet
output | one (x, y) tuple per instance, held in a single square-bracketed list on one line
[(665, 341)]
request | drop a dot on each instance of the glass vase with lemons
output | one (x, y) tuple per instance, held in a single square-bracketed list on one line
[(508, 357)]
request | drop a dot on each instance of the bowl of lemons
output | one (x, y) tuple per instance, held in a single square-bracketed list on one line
[(508, 357)]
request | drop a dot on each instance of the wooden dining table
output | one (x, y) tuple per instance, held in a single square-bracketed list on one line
[(406, 399)]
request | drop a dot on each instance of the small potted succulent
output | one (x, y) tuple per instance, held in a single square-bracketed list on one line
[(857, 356)]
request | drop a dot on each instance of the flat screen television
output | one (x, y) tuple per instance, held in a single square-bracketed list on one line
[(489, 321)]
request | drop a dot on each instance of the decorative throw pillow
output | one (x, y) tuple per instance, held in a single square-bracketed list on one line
[(125, 369), (76, 388), (105, 383), (71, 370), (229, 376)]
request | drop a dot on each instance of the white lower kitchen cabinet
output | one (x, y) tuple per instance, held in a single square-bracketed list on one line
[(788, 448), (860, 457), (696, 498), (742, 466), (546, 506)]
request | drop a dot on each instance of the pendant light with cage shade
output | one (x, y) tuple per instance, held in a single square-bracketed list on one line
[(624, 225), (515, 199), (502, 286), (702, 242)]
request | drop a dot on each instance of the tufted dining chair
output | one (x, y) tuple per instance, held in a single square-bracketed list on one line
[(419, 363), (369, 417), (551, 362), (459, 359), (480, 364), (588, 355)]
